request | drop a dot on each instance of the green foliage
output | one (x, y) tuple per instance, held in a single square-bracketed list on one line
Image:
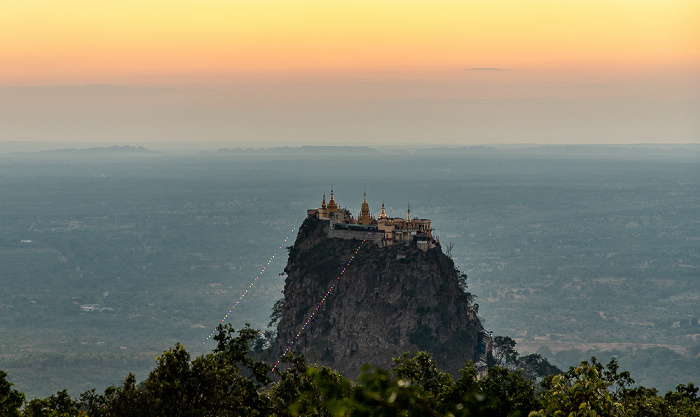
[(121, 401), (93, 404), (452, 398), (504, 352), (501, 393), (423, 370), (10, 399), (233, 351), (305, 389), (276, 313), (462, 280), (619, 381), (263, 341), (504, 393), (378, 394), (581, 392), (229, 382), (684, 401), (58, 405), (226, 382), (535, 367), (645, 402)]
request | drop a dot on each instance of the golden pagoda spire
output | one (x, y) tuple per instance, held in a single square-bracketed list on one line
[(323, 205), (383, 214), (408, 219), (332, 206), (365, 217)]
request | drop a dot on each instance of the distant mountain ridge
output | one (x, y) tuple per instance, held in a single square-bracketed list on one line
[(646, 151), (302, 150), (650, 151), (107, 150)]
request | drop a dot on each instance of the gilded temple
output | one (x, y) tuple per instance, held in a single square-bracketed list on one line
[(383, 230)]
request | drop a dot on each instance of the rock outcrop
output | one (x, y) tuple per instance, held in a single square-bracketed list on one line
[(388, 301)]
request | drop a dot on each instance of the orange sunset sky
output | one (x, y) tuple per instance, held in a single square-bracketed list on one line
[(350, 72)]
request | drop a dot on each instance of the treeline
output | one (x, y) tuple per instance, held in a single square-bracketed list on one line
[(230, 381)]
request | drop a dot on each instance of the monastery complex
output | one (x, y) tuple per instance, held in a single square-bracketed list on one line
[(383, 230)]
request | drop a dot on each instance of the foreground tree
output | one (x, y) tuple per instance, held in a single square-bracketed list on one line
[(535, 367), (581, 392), (11, 400), (504, 352), (58, 405), (684, 401), (225, 382), (230, 382), (423, 370), (501, 393), (508, 393), (378, 394), (305, 389)]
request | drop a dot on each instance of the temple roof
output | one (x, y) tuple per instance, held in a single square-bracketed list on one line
[(332, 206)]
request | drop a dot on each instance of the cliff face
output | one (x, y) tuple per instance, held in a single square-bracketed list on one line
[(388, 301)]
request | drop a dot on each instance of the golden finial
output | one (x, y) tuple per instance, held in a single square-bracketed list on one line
[(409, 213), (383, 214), (365, 217), (332, 206)]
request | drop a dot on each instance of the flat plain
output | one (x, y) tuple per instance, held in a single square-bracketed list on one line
[(107, 260)]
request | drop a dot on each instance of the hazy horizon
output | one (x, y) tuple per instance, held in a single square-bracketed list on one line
[(49, 149), (466, 108), (361, 73)]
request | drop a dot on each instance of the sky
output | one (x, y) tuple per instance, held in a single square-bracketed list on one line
[(297, 72)]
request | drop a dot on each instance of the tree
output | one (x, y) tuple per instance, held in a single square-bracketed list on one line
[(11, 400), (462, 280), (463, 391), (262, 342), (684, 401), (423, 370), (619, 381), (448, 249), (276, 313), (226, 382), (504, 353), (378, 394), (536, 367), (93, 403), (168, 386), (305, 389), (507, 393), (582, 391), (58, 405), (645, 402), (124, 401), (501, 393)]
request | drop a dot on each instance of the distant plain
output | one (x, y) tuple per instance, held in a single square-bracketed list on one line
[(109, 259)]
